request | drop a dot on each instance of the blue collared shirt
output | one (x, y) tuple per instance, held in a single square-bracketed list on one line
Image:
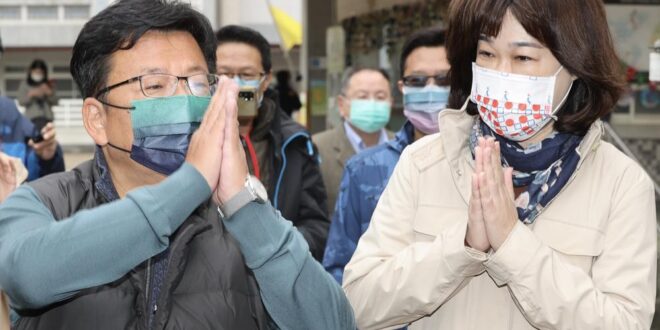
[(356, 140)]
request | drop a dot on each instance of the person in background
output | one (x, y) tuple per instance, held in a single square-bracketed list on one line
[(288, 96), (164, 228), (365, 105), (279, 151), (36, 148), (425, 89), (37, 94), (12, 173), (517, 215)]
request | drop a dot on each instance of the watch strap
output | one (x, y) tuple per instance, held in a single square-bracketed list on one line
[(242, 198)]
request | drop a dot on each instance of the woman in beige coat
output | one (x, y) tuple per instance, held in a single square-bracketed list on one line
[(516, 215)]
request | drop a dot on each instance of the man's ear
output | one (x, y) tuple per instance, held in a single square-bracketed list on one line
[(344, 106), (266, 82), (95, 120)]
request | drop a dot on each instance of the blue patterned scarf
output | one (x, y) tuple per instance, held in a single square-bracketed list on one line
[(544, 168)]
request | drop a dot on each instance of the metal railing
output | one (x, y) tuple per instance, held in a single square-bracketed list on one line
[(68, 113)]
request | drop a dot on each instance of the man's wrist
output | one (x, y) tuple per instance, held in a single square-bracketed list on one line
[(225, 195), (226, 192), (251, 190)]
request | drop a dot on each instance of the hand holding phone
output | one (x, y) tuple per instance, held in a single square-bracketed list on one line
[(247, 102)]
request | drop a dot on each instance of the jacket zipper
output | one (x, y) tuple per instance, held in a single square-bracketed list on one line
[(153, 310), (286, 143), (148, 290)]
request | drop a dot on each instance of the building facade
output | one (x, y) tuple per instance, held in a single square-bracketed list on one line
[(47, 29)]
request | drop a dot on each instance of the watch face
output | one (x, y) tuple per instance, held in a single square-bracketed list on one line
[(258, 188)]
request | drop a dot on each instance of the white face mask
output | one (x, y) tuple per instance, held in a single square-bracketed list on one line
[(514, 106), (37, 77)]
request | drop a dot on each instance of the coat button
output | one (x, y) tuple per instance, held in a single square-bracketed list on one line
[(459, 172)]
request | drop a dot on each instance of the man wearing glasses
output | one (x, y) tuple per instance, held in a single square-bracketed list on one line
[(279, 151), (424, 69), (164, 228)]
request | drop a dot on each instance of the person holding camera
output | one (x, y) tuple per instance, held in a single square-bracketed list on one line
[(279, 151), (36, 93), (36, 146)]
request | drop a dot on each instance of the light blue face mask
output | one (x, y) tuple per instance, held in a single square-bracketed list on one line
[(369, 116), (430, 98), (252, 84), (162, 128)]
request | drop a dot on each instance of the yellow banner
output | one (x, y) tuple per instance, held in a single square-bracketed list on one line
[(289, 29)]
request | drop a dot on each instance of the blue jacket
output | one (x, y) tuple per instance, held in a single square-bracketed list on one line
[(365, 177), (15, 130)]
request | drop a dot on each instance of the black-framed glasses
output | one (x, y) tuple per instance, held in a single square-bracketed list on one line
[(422, 80), (155, 85), (243, 76)]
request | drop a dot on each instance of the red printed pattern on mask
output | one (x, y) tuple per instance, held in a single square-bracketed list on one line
[(515, 118)]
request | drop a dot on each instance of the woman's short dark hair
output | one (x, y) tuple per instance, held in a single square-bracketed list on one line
[(245, 35), (121, 25), (37, 64), (430, 37), (577, 34)]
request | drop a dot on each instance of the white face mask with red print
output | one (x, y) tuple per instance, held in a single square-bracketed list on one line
[(514, 106)]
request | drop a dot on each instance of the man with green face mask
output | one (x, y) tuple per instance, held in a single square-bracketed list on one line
[(279, 151), (164, 228), (364, 104)]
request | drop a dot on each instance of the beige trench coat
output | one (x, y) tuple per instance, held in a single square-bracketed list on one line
[(587, 262)]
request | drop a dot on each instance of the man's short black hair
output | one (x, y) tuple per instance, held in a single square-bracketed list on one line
[(245, 35), (430, 37), (121, 25)]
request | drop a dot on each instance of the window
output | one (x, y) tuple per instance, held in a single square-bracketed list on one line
[(63, 85), (66, 88), (12, 85), (10, 12), (76, 12), (12, 68), (61, 69), (42, 12)]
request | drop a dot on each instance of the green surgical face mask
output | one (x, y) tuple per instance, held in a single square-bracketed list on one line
[(162, 128), (369, 116)]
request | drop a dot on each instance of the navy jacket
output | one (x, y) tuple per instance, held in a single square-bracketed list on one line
[(365, 177), (15, 130)]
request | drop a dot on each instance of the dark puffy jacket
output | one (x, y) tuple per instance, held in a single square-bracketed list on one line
[(297, 189), (207, 285)]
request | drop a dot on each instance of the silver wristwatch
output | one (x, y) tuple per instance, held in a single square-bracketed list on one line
[(253, 191)]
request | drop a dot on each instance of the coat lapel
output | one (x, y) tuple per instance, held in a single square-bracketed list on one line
[(343, 148), (455, 127)]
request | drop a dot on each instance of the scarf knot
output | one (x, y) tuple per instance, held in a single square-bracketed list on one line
[(543, 168)]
